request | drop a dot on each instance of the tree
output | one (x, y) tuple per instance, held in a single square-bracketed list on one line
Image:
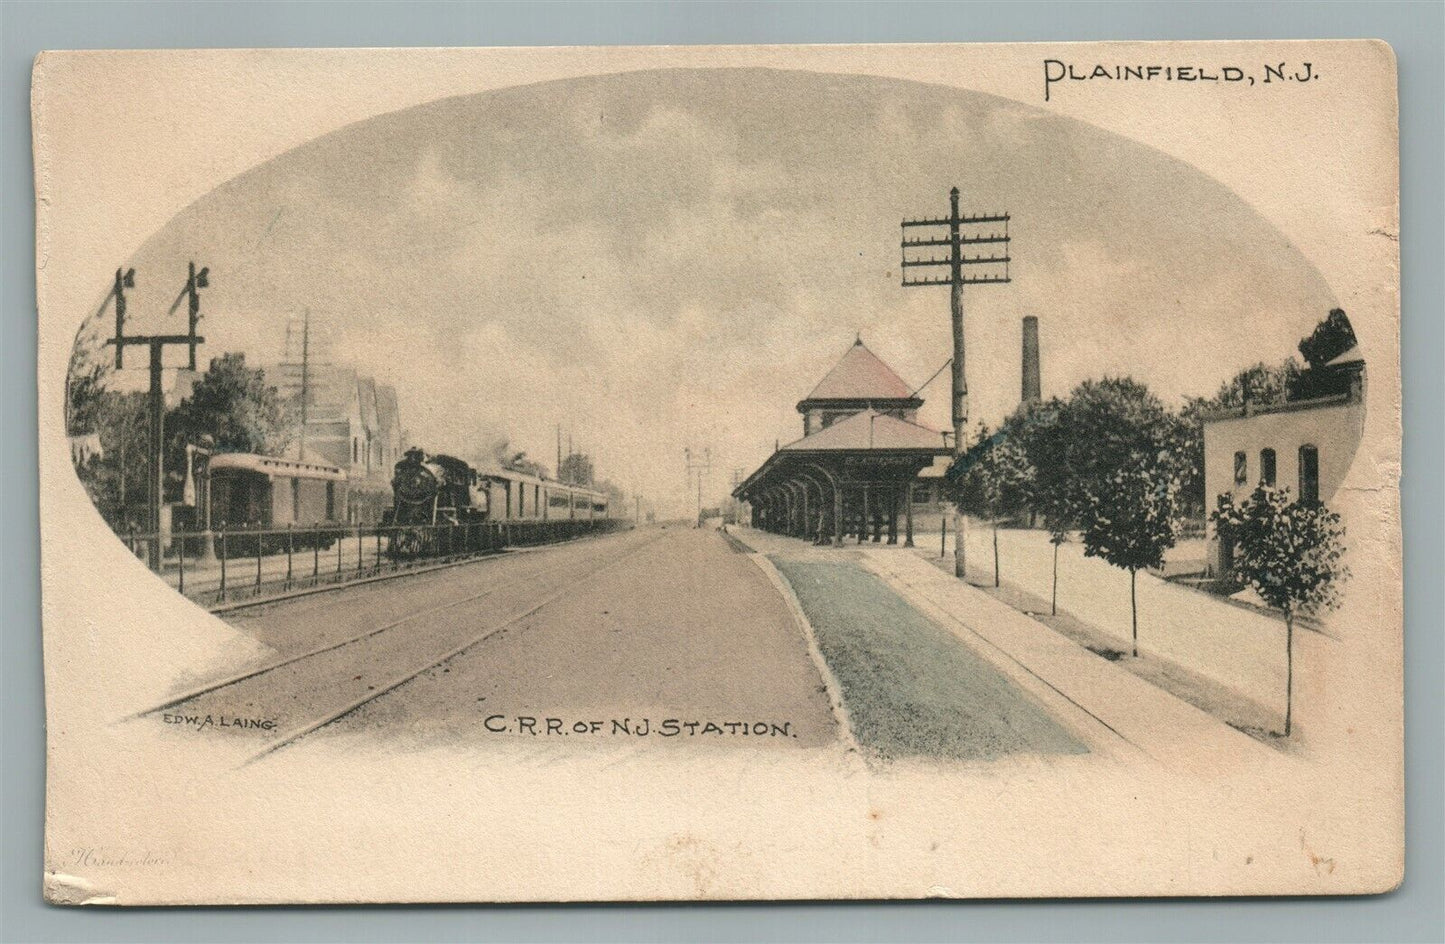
[(1057, 536), (1105, 464), (1185, 440), (1259, 383), (85, 392), (1331, 337), (997, 479), (233, 405), (1129, 521), (576, 469), (1290, 553), (1051, 489), (115, 480)]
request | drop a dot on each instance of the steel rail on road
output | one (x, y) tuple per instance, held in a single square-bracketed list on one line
[(570, 584), (297, 734), (271, 667)]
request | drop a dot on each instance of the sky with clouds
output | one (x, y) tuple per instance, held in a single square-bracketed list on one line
[(673, 258)]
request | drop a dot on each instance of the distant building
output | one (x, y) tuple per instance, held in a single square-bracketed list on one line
[(1305, 445), (352, 422)]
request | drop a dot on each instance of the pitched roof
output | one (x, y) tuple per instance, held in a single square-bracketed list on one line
[(860, 375), (870, 430), (329, 389), (1350, 356), (386, 414), (366, 394)]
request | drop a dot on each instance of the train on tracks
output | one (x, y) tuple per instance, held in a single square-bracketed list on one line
[(255, 499), (434, 494)]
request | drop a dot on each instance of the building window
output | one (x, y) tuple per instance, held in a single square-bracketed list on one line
[(1266, 467), (1309, 474), (295, 499), (330, 501), (1241, 468), (355, 450)]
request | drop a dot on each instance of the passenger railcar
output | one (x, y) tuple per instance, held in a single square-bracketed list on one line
[(517, 496), (256, 493)]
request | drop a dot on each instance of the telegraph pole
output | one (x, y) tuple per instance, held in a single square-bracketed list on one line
[(962, 231), (305, 364), (156, 342), (701, 465), (305, 378)]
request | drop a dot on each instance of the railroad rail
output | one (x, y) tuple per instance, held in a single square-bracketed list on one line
[(325, 670)]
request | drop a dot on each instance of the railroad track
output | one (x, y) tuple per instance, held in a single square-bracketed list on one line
[(355, 657)]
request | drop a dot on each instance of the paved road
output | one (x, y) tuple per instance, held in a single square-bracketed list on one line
[(661, 637), (665, 634)]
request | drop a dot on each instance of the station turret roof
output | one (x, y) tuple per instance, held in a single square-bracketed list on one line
[(860, 375)]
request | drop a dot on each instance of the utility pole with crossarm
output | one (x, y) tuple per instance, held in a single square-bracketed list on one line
[(701, 464), (992, 268)]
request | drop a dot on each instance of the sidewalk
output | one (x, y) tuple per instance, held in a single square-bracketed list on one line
[(1141, 717), (1171, 731), (1239, 648)]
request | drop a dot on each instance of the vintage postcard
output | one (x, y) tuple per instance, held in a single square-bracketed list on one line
[(720, 473)]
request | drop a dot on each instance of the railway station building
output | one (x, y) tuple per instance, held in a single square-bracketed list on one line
[(852, 472)]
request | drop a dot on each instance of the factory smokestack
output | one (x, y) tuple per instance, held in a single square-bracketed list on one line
[(1032, 392)]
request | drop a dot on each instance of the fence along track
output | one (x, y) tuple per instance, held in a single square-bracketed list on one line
[(297, 734), (290, 660), (237, 576)]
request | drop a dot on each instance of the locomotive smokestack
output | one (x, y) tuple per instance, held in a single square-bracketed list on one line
[(1032, 392)]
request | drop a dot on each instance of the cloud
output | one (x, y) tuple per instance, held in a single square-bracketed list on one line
[(669, 259)]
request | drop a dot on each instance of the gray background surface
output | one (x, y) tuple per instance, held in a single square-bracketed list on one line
[(1415, 30)]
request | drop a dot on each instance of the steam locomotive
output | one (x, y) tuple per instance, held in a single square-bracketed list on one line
[(437, 490)]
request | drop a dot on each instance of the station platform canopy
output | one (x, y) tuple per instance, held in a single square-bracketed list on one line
[(853, 470)]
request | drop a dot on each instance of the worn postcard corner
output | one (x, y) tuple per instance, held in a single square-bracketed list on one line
[(757, 472)]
